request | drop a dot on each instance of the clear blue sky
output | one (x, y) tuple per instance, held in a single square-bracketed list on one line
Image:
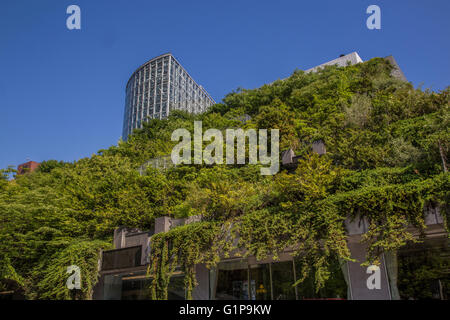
[(62, 91)]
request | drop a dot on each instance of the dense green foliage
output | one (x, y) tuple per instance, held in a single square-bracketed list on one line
[(386, 145)]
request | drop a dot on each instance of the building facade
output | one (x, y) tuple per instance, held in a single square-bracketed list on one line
[(417, 271), (158, 87), (26, 167)]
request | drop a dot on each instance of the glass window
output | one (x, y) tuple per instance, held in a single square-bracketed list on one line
[(282, 280), (112, 287), (424, 270), (335, 287), (260, 288), (176, 289), (232, 281), (136, 288)]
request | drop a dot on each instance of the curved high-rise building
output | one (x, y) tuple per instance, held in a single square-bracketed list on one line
[(158, 87)]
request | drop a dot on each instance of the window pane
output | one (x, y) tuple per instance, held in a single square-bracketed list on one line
[(260, 282), (232, 281), (283, 279), (176, 288), (335, 287), (424, 270), (136, 289)]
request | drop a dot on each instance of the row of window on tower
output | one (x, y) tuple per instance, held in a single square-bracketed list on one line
[(158, 87)]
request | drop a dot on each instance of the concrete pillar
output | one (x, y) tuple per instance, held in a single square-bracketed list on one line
[(119, 237), (358, 276), (162, 224), (201, 291)]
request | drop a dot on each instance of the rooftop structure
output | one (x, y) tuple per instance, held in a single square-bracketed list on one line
[(342, 61), (354, 58)]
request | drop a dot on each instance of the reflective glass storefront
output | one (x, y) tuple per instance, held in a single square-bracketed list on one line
[(137, 287), (418, 270), (239, 280)]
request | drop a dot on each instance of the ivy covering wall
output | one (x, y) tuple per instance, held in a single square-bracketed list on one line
[(387, 146)]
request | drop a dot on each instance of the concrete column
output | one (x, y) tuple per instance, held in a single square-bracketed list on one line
[(119, 237), (201, 291), (162, 224), (358, 276)]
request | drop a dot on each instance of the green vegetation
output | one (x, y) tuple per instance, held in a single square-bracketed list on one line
[(386, 143)]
